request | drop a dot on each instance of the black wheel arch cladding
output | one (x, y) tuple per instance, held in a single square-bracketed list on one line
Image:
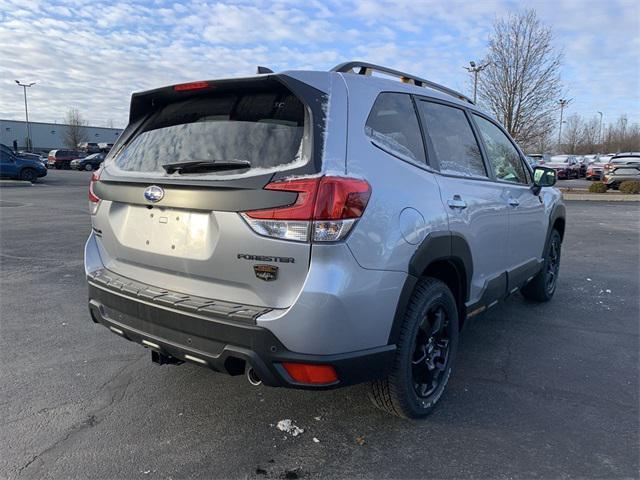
[(436, 247)]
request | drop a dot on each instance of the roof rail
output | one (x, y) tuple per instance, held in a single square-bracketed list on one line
[(368, 68)]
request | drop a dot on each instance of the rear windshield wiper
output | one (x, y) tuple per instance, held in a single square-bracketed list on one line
[(198, 166)]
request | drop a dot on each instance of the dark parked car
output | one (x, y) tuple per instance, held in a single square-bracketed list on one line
[(19, 168), (62, 158), (32, 156), (88, 163), (566, 166)]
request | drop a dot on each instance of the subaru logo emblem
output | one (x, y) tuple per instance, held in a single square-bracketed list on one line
[(154, 193)]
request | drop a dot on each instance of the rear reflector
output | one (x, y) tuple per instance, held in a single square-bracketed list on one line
[(324, 211), (190, 86), (311, 374)]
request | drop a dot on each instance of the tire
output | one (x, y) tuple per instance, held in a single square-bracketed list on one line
[(420, 356), (88, 167), (58, 166), (29, 175), (542, 287)]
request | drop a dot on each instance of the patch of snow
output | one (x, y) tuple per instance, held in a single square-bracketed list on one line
[(588, 279), (288, 426), (608, 291), (317, 418), (315, 440)]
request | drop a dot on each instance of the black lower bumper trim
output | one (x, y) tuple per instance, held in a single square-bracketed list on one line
[(221, 344)]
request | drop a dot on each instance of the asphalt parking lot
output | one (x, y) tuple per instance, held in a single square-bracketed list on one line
[(540, 391)]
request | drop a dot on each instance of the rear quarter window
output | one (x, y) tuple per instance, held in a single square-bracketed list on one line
[(393, 126)]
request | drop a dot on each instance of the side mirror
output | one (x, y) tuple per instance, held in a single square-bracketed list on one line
[(543, 177)]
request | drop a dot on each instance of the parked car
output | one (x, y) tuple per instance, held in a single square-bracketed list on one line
[(89, 147), (621, 167), (62, 158), (566, 166), (265, 230), (582, 165), (18, 167), (105, 147), (32, 156), (88, 163), (595, 170), (539, 158)]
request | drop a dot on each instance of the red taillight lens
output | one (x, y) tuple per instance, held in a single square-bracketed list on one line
[(95, 176), (325, 209), (311, 374), (190, 86), (302, 209), (341, 198), (323, 198)]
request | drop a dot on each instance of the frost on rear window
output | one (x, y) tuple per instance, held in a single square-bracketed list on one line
[(269, 130)]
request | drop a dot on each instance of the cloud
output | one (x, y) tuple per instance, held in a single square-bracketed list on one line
[(92, 54)]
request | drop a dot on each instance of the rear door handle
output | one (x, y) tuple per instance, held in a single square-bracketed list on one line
[(513, 202), (457, 202)]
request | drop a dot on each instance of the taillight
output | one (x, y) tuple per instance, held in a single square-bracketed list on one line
[(94, 200), (324, 211)]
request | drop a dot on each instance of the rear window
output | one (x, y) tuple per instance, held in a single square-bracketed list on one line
[(271, 130)]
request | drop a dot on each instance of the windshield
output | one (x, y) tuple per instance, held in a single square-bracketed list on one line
[(560, 159), (269, 130)]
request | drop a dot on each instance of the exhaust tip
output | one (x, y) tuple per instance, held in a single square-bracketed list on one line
[(253, 377)]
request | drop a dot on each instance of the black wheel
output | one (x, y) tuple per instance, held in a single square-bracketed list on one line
[(542, 287), (58, 166), (29, 175), (88, 167), (425, 354)]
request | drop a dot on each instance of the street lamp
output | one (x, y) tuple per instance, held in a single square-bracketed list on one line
[(475, 70), (600, 130), (563, 103), (26, 110)]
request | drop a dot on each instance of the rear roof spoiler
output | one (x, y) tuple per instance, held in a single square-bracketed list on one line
[(143, 102), (364, 68)]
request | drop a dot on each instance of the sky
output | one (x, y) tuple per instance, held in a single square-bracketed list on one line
[(92, 54)]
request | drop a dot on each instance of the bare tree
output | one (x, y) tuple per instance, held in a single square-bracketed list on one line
[(521, 85), (572, 133), (589, 137), (75, 131), (622, 137)]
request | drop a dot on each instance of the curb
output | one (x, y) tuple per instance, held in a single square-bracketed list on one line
[(15, 183), (601, 197)]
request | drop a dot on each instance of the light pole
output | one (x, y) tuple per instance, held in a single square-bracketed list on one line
[(600, 130), (475, 70), (563, 103), (26, 110)]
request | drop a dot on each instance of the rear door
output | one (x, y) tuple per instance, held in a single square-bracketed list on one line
[(528, 219), (476, 206), (184, 231)]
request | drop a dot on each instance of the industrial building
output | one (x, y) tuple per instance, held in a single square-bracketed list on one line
[(49, 136)]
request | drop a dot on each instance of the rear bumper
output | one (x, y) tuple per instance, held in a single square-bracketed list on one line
[(219, 340)]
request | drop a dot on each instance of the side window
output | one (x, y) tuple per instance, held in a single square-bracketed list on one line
[(502, 155), (453, 140), (393, 126)]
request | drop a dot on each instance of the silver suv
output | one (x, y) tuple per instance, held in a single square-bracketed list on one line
[(316, 229)]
